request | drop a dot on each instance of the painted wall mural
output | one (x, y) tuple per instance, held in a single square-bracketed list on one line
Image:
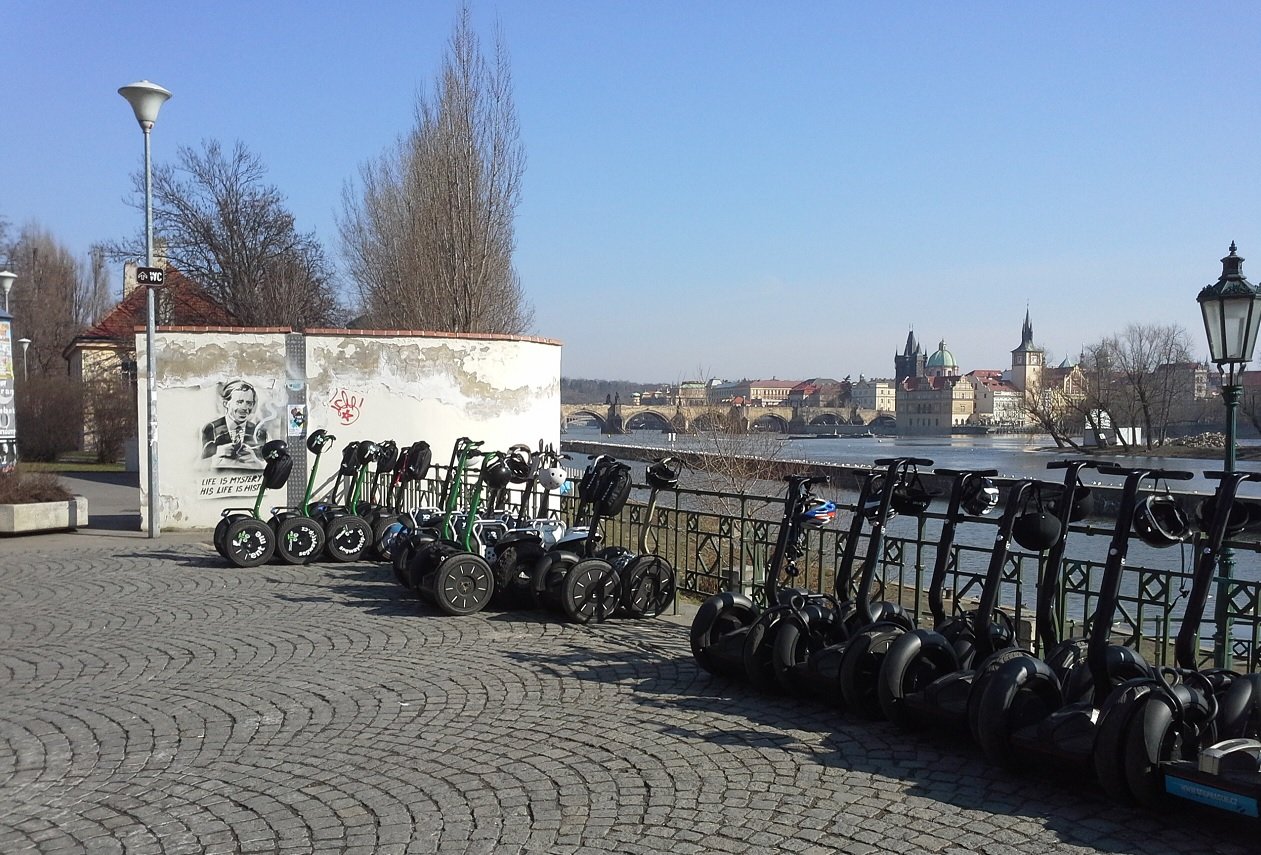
[(233, 438)]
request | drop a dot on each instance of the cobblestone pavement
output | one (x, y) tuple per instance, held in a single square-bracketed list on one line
[(152, 700)]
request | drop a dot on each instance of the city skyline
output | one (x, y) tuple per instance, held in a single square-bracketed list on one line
[(720, 188)]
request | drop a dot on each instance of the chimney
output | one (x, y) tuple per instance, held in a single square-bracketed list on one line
[(129, 278)]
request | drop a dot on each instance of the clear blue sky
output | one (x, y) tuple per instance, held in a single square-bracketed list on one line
[(735, 189)]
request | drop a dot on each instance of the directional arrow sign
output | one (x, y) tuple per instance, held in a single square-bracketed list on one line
[(149, 275)]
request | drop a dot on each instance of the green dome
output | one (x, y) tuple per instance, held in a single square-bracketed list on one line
[(942, 358)]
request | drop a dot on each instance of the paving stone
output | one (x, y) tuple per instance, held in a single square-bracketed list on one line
[(154, 700)]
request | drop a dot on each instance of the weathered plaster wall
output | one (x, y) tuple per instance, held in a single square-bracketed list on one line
[(353, 385)]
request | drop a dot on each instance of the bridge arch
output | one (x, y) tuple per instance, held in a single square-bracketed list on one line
[(582, 416), (770, 423), (649, 420)]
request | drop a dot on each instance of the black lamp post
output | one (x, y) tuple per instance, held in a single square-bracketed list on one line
[(1232, 312)]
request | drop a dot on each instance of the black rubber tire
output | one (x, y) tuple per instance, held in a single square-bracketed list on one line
[(221, 531), (249, 542), (648, 586), (513, 568), (591, 591), (860, 670), (548, 579), (462, 584), (982, 675), (790, 649), (913, 661), (759, 651), (347, 538), (386, 529), (1122, 712), (718, 617), (1021, 693), (299, 540)]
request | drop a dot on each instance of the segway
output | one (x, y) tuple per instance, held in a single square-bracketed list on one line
[(927, 675), (452, 574), (1185, 732), (1026, 710), (412, 467), (535, 531), (422, 527), (811, 646), (299, 536), (971, 494), (586, 586), (648, 580), (723, 624), (247, 540)]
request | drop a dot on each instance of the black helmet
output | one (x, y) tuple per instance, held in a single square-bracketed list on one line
[(661, 476), (519, 467), (979, 495), (316, 441), (1240, 517), (871, 502), (1083, 503), (1036, 529), (496, 473), (910, 496), (274, 449), (1160, 522), (367, 451)]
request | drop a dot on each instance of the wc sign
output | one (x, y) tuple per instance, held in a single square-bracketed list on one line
[(151, 276)]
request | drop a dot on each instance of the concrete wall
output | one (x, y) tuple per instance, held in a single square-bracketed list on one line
[(354, 384)]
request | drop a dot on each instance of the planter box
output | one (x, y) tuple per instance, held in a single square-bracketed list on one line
[(44, 516)]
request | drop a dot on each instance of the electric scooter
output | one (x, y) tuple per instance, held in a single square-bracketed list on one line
[(535, 531), (1185, 732), (247, 540), (300, 537), (721, 628), (1025, 710), (648, 580), (971, 493), (811, 645)]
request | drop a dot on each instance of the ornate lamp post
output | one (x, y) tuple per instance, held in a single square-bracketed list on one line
[(146, 99), (1232, 311)]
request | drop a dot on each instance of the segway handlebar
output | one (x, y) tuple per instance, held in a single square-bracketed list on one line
[(904, 461), (1077, 463), (1156, 474), (981, 473), (1242, 476)]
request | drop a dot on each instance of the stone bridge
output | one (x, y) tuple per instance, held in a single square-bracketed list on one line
[(615, 417)]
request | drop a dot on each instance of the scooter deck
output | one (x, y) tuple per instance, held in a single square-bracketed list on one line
[(1235, 792)]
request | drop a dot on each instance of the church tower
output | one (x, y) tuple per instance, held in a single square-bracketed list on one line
[(910, 362), (1028, 360)]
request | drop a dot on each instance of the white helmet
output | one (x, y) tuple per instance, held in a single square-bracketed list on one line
[(552, 477)]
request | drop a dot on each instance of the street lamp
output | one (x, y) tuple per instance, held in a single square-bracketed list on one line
[(1232, 311), (146, 99), (25, 342), (6, 282)]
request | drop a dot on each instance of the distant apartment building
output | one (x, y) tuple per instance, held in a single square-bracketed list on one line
[(765, 393), (937, 399), (819, 392), (996, 401), (878, 395)]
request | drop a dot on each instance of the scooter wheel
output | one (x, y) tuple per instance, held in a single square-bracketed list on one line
[(548, 579), (860, 670), (463, 584), (591, 591), (912, 662), (299, 540), (385, 533), (347, 538), (221, 532), (249, 542), (717, 618), (1121, 714), (647, 587), (759, 651), (512, 568)]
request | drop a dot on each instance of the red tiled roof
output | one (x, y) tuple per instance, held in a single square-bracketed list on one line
[(189, 306)]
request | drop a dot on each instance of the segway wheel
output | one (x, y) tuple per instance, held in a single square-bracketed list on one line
[(718, 618), (512, 567), (860, 670), (299, 540), (463, 584), (221, 532), (347, 538), (385, 536), (548, 580), (249, 542), (647, 587), (759, 651), (591, 591)]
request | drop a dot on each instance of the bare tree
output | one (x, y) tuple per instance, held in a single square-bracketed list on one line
[(1147, 388), (429, 234), (226, 228), (54, 299)]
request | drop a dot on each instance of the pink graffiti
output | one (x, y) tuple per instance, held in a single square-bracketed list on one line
[(346, 406)]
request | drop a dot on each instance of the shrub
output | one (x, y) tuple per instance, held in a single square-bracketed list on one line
[(17, 488), (49, 417)]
